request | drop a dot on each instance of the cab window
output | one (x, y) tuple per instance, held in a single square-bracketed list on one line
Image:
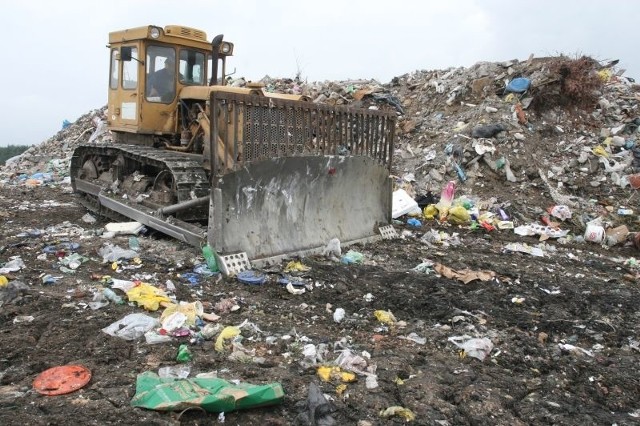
[(130, 71), (113, 75), (191, 67), (160, 74)]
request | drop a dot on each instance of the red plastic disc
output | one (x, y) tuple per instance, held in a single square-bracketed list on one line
[(62, 379)]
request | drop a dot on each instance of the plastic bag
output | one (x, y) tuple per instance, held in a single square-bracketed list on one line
[(190, 312), (487, 131), (473, 347), (317, 409), (184, 354), (333, 248), (15, 264), (148, 296), (101, 129), (352, 257), (518, 85), (338, 315), (562, 212), (131, 326), (111, 253), (385, 317), (210, 258), (225, 334), (458, 215), (414, 222), (211, 394)]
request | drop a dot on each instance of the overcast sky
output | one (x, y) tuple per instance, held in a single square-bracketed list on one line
[(55, 63)]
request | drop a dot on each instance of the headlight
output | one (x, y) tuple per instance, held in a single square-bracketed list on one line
[(154, 32), (226, 48)]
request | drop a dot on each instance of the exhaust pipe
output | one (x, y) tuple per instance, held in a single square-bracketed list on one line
[(215, 54)]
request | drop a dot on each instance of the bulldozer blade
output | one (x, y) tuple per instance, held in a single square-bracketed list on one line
[(294, 205)]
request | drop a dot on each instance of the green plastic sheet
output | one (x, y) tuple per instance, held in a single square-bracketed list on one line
[(212, 394)]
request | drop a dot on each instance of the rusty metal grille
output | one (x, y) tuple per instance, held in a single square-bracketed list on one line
[(252, 128), (274, 132)]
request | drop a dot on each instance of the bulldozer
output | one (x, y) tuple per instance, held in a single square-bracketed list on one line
[(242, 169)]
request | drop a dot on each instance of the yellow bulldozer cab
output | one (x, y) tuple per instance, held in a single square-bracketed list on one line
[(149, 68)]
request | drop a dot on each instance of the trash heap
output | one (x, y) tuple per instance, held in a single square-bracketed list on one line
[(529, 135), (573, 121), (521, 141), (48, 162), (571, 124)]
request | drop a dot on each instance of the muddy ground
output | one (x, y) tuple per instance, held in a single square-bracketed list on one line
[(579, 294)]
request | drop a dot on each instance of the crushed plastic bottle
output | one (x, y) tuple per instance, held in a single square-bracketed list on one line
[(112, 296), (461, 174), (134, 244)]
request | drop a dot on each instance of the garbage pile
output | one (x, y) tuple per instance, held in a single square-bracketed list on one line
[(518, 138), (533, 134), (573, 121), (48, 162)]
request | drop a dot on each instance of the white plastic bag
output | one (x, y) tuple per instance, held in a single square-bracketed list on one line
[(111, 253), (333, 248), (473, 347), (338, 315), (132, 326)]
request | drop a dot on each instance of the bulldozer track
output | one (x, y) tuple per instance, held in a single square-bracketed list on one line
[(187, 173), (189, 179)]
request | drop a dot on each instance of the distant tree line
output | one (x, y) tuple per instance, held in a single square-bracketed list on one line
[(7, 152)]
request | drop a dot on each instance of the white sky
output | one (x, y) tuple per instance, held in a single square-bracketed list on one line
[(55, 64)]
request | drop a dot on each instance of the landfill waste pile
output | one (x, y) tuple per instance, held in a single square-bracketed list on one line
[(507, 292)]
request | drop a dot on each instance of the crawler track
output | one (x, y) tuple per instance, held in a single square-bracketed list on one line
[(136, 182)]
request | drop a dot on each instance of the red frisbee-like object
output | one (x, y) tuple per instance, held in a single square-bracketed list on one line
[(61, 380)]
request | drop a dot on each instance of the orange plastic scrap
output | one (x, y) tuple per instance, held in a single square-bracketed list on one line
[(486, 225), (62, 380), (634, 181), (522, 118)]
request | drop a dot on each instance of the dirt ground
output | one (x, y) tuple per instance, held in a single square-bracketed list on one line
[(564, 329)]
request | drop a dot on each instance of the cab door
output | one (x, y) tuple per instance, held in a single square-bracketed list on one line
[(124, 78)]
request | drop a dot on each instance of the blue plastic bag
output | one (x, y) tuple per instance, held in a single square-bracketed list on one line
[(352, 257), (414, 222), (518, 85)]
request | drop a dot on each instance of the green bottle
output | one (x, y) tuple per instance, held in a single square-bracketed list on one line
[(210, 258)]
